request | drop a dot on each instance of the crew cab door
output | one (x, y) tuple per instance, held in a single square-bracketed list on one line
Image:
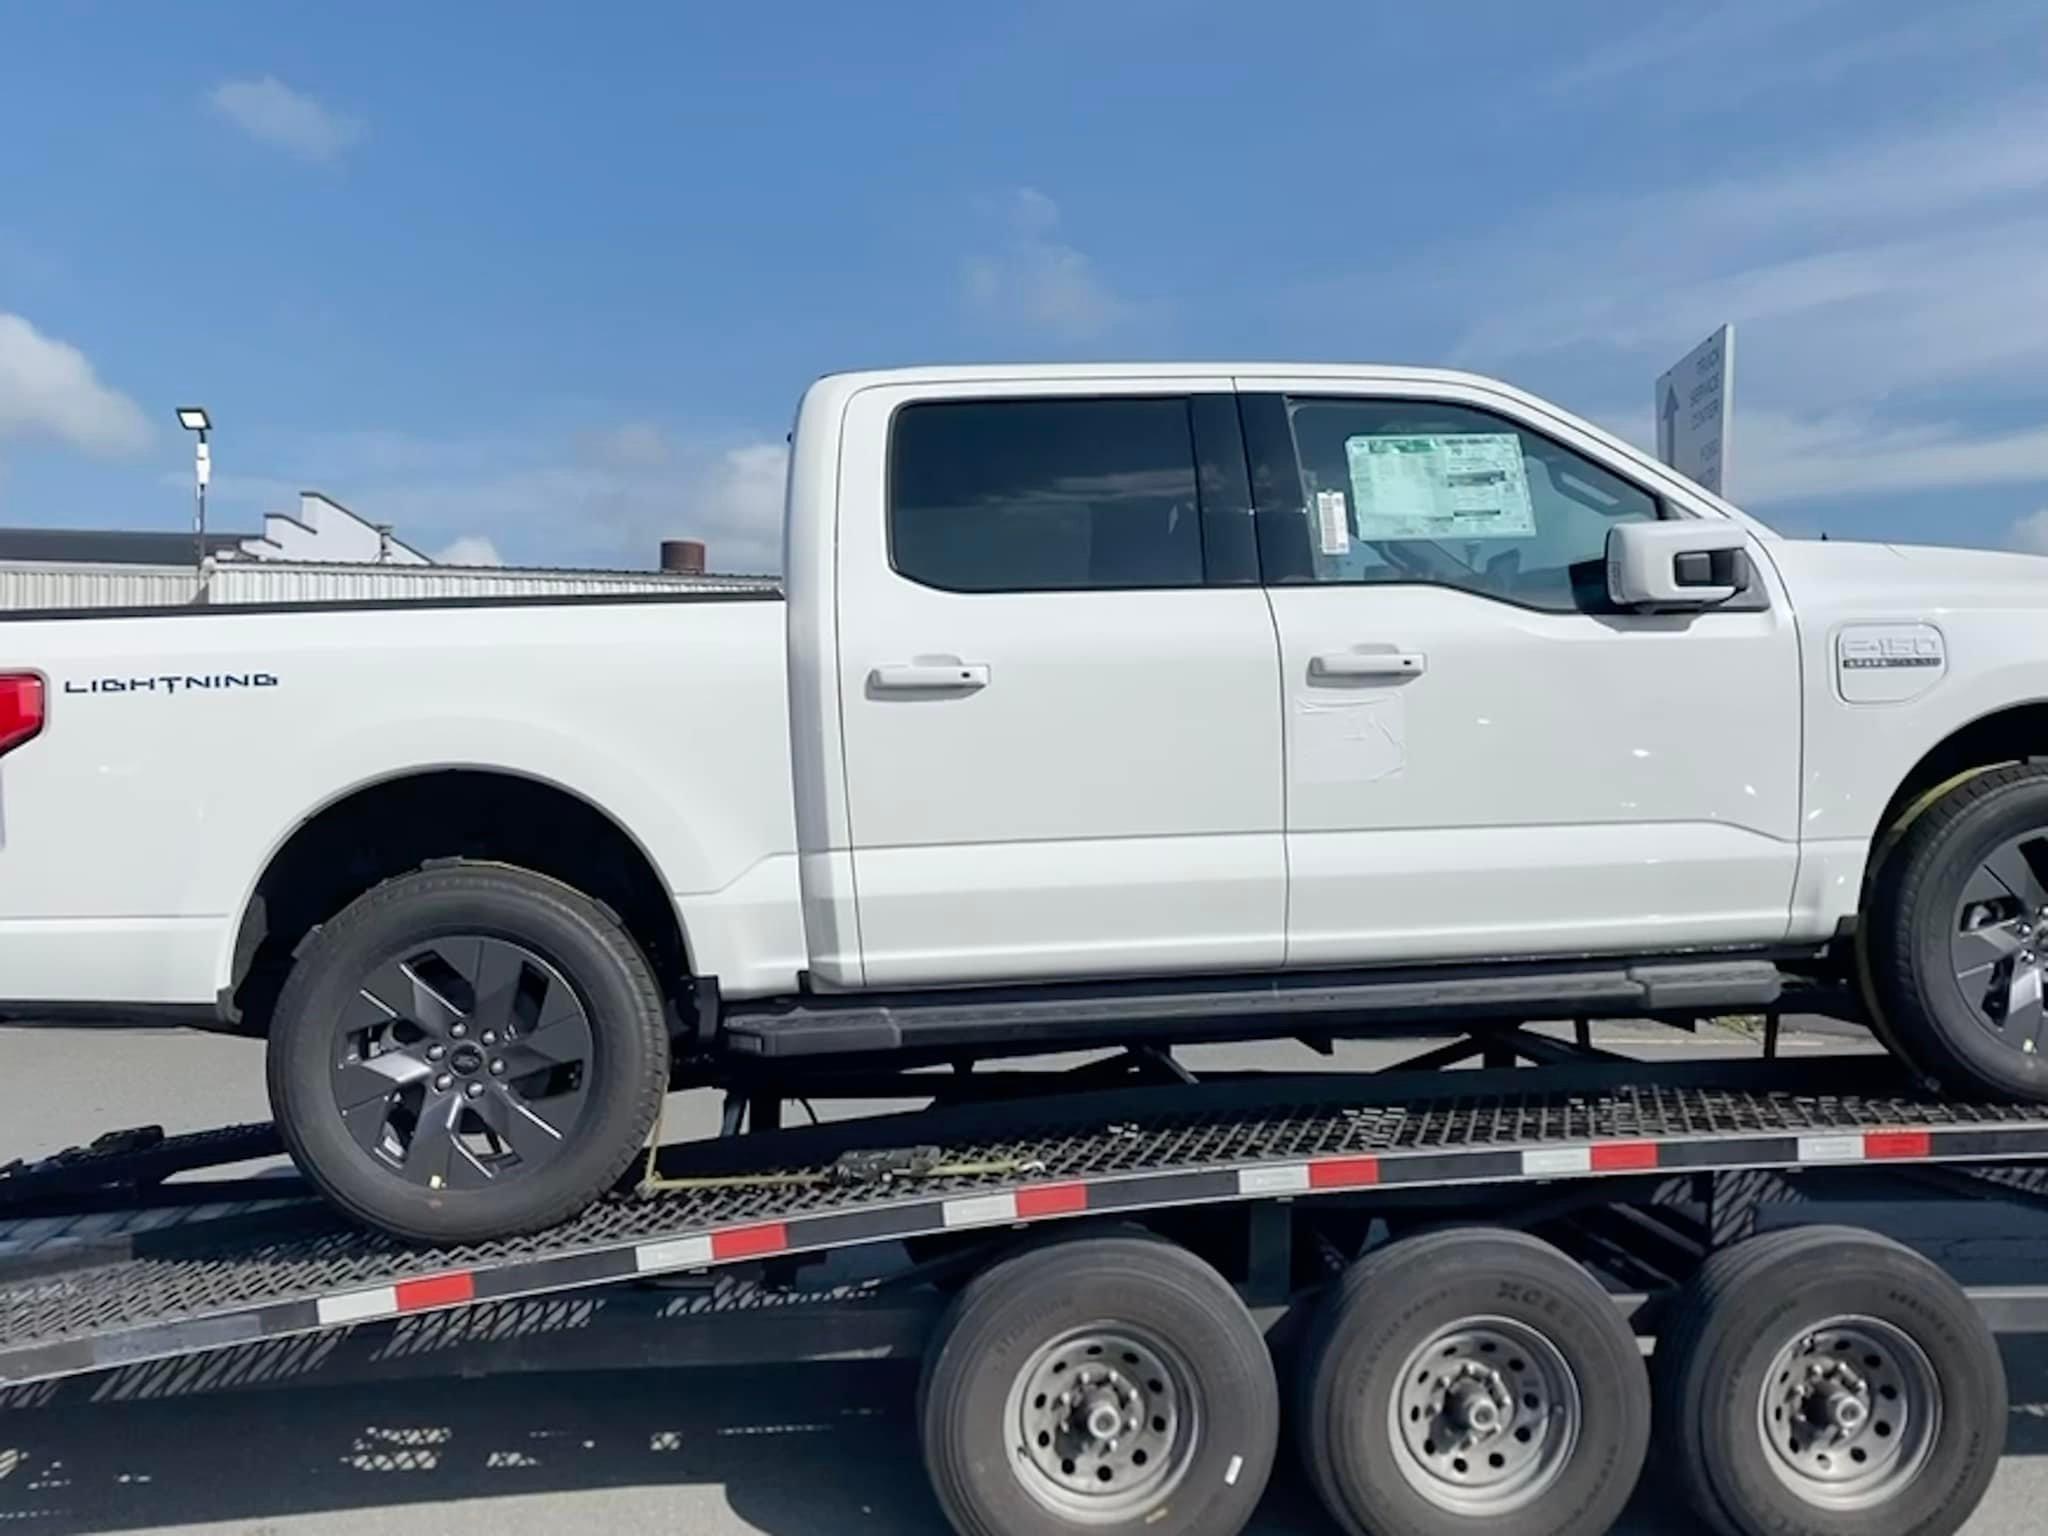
[(1059, 683), (1485, 756)]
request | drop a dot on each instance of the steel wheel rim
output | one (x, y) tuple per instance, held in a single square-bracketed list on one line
[(1485, 1417), (1849, 1412), (1104, 1421), (462, 1063), (1998, 939)]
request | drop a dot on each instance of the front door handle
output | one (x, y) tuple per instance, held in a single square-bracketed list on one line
[(1368, 664), (930, 677)]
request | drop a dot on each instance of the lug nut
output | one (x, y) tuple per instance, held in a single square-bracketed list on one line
[(444, 1082), (475, 1090), (490, 1037), (497, 1069), (458, 1031), (436, 1052)]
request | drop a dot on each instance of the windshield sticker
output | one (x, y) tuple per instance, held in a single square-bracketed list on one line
[(1333, 522), (1471, 485)]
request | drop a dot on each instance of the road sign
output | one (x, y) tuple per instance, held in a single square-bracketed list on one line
[(1695, 408)]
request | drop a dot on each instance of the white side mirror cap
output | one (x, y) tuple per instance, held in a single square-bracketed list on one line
[(1676, 565)]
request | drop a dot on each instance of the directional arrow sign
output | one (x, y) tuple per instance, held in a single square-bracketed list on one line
[(1695, 408)]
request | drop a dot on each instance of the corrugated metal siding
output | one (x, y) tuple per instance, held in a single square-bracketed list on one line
[(52, 586)]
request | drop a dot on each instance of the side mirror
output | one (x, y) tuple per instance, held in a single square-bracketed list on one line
[(1676, 565)]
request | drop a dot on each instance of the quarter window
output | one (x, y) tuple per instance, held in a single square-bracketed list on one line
[(1413, 491), (1045, 495)]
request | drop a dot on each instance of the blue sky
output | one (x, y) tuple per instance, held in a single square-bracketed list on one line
[(552, 277)]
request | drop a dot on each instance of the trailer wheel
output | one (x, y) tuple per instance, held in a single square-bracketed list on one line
[(1825, 1381), (1105, 1385), (1955, 940), (468, 1053), (1472, 1381)]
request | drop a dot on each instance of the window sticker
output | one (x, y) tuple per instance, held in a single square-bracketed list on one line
[(1333, 522), (1471, 485)]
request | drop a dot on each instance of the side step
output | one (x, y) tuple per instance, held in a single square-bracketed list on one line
[(1420, 998)]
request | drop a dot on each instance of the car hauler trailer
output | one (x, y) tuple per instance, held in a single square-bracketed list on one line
[(1460, 1275)]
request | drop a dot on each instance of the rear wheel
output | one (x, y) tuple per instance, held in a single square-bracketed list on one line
[(1956, 936), (1828, 1382), (1105, 1385), (468, 1053)]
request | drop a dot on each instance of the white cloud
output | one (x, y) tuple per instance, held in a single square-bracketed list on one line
[(2030, 533), (48, 389), (1036, 278), (1660, 45), (1883, 293), (272, 113), (470, 549)]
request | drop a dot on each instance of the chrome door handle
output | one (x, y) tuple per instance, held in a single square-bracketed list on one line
[(1368, 664), (930, 677)]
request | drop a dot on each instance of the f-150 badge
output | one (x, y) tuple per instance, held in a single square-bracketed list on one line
[(1888, 663)]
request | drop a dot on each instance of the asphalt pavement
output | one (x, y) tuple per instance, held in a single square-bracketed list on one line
[(812, 1450)]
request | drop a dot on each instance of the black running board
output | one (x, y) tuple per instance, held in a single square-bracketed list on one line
[(1183, 1010)]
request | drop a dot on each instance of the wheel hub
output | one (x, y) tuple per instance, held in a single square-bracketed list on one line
[(462, 1062), (1105, 1423), (1486, 1416), (1850, 1411), (1998, 943)]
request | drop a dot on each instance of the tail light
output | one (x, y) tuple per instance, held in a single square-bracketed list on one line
[(21, 709)]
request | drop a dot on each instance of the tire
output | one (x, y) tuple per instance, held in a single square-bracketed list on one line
[(1737, 1331), (1192, 1369), (1956, 1030), (457, 1010), (1541, 1341)]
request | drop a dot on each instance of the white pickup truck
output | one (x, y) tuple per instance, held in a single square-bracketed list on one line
[(1103, 703)]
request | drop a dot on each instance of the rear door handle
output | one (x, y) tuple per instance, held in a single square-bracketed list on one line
[(930, 677), (1368, 664)]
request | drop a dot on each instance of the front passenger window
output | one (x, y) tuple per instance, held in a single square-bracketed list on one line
[(1414, 491)]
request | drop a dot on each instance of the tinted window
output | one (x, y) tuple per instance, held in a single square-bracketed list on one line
[(1044, 495), (1411, 491)]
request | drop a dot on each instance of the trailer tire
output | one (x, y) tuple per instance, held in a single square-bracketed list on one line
[(1955, 958), (1190, 1369), (1786, 1333), (1419, 1340), (506, 1010)]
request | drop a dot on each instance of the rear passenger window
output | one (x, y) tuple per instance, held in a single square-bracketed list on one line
[(1045, 495)]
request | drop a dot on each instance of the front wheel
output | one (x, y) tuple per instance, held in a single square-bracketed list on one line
[(468, 1053), (1955, 936)]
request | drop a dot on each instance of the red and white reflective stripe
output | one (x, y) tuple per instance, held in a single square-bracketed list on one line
[(406, 1296), (1593, 1157), (1031, 1203), (1300, 1178), (761, 1240), (1866, 1146)]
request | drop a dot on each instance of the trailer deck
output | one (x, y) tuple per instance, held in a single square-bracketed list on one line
[(81, 1293)]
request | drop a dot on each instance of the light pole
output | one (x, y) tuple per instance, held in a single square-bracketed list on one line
[(193, 418)]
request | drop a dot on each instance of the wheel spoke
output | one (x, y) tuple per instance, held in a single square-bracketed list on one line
[(496, 971), (365, 1123), (430, 1159), (519, 1127), (1976, 950), (2013, 868), (2023, 1015), (396, 990), (361, 1082)]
